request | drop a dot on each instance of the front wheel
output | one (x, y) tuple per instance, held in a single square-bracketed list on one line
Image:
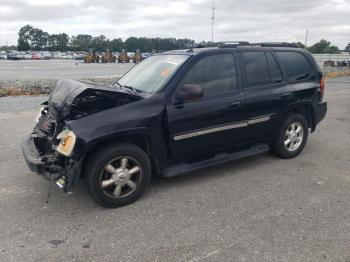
[(292, 137), (118, 175)]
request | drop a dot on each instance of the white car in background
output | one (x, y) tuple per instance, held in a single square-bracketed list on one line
[(3, 55)]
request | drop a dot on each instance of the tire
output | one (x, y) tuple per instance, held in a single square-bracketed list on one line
[(109, 183), (292, 122)]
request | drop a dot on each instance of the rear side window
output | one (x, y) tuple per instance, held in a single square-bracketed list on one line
[(256, 68), (216, 74), (275, 71), (296, 65)]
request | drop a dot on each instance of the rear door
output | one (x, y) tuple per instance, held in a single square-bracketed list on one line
[(300, 73), (213, 122), (267, 93)]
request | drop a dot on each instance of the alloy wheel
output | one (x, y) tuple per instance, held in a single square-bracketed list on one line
[(293, 136), (120, 177)]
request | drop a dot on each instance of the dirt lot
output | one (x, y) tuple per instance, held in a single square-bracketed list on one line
[(257, 209)]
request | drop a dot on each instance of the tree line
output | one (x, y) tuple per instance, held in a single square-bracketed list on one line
[(31, 38)]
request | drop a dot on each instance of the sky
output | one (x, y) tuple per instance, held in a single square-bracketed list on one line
[(249, 20)]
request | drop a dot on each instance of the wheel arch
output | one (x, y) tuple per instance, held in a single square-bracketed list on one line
[(306, 110), (135, 137)]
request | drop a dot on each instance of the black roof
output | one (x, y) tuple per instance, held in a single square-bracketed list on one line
[(234, 46)]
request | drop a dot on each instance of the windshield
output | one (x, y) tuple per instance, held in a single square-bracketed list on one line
[(152, 74)]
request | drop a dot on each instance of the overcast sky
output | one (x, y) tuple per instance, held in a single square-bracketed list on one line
[(252, 20)]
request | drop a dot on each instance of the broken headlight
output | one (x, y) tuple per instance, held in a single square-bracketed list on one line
[(66, 145)]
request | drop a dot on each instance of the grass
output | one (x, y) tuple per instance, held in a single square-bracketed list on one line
[(15, 91), (336, 74)]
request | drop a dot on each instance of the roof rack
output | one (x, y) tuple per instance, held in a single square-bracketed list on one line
[(230, 44), (275, 44)]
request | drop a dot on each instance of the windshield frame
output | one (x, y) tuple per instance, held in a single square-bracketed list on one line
[(164, 86)]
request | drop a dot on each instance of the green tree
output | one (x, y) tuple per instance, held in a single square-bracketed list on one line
[(58, 42), (62, 42), (324, 47), (347, 48), (5, 47), (99, 43), (300, 45), (32, 38), (132, 43), (25, 38), (81, 42), (116, 44), (23, 45), (39, 39)]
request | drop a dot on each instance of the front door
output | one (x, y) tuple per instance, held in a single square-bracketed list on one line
[(215, 121)]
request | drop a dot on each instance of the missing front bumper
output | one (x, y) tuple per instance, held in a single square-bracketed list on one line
[(46, 167)]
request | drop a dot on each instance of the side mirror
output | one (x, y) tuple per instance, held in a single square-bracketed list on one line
[(189, 92)]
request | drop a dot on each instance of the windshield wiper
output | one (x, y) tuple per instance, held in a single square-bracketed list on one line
[(133, 89), (116, 83)]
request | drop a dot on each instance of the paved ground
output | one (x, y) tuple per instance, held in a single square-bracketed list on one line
[(54, 69), (257, 209)]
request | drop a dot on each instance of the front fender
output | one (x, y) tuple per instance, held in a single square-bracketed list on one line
[(87, 146)]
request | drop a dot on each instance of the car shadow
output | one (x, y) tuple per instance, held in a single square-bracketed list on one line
[(205, 175), (81, 199)]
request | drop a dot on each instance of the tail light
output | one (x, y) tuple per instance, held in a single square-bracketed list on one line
[(322, 86)]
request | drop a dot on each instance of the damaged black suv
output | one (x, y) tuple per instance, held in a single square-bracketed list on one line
[(174, 113)]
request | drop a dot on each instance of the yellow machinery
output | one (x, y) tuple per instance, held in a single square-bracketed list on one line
[(123, 57), (88, 58), (96, 58), (137, 56), (108, 57), (91, 57)]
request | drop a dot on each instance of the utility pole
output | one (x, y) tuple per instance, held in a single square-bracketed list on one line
[(7, 46), (212, 22), (306, 36)]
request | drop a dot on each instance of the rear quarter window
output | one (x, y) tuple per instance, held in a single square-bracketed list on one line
[(275, 71), (295, 64), (256, 68)]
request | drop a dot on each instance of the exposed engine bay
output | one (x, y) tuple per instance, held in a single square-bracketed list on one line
[(69, 101), (72, 100)]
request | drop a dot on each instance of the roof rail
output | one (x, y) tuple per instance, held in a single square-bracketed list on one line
[(205, 45), (275, 44), (230, 44)]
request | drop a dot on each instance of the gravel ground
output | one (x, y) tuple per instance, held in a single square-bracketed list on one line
[(256, 209), (41, 76), (55, 69)]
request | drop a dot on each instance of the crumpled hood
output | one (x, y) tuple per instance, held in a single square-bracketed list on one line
[(78, 98)]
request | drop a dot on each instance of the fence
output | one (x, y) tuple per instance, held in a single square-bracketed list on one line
[(331, 62)]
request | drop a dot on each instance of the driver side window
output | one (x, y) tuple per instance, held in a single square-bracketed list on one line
[(216, 74)]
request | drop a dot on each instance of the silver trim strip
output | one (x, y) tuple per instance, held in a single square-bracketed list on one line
[(253, 121), (258, 120)]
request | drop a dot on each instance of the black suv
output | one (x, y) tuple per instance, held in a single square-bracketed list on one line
[(174, 113)]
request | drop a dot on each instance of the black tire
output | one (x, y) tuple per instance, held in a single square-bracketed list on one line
[(279, 147), (95, 170)]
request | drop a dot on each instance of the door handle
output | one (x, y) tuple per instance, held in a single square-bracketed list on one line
[(286, 95), (234, 104)]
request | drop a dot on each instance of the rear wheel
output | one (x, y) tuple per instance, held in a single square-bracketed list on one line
[(118, 175), (292, 137)]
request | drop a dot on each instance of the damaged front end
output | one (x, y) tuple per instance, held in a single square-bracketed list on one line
[(49, 149)]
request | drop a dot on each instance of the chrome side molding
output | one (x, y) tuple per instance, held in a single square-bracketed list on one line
[(252, 121)]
